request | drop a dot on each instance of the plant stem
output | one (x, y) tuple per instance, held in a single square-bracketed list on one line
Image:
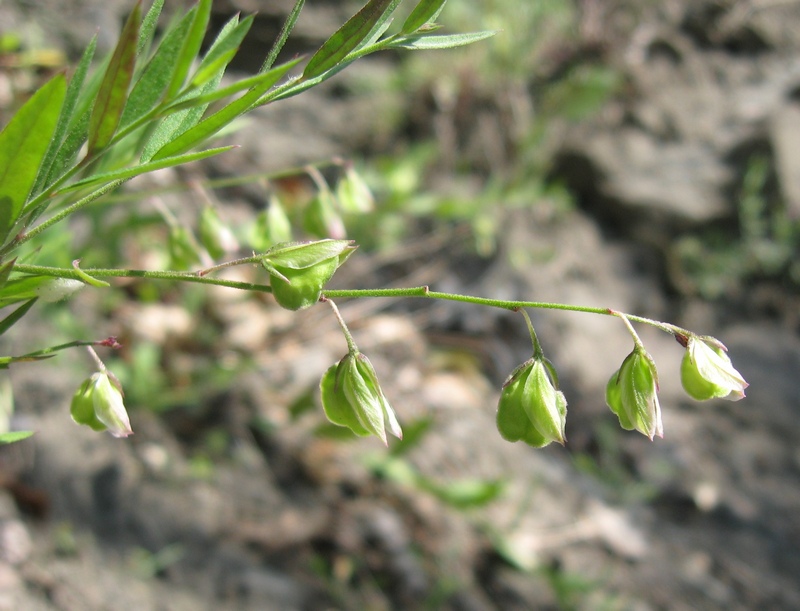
[(424, 291), (59, 272), (537, 347), (417, 291), (351, 344)]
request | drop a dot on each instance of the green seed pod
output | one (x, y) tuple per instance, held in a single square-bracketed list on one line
[(216, 237), (352, 397), (353, 193), (632, 394), (531, 409), (183, 248), (299, 270), (321, 218), (98, 405), (271, 226), (82, 407), (707, 372), (297, 289)]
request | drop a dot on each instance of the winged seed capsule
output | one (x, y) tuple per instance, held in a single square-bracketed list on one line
[(632, 394), (531, 408), (352, 397), (707, 372)]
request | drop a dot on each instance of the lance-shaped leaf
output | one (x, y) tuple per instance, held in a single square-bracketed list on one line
[(210, 126), (157, 74), (223, 50), (66, 116), (447, 41), (347, 38), (5, 272), (148, 28), (114, 88), (15, 316), (127, 173), (425, 12), (287, 28), (191, 46), (14, 436), (23, 145)]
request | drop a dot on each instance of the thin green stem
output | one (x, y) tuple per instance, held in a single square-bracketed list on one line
[(537, 347), (351, 344), (418, 291), (424, 291), (60, 272), (636, 340), (57, 218)]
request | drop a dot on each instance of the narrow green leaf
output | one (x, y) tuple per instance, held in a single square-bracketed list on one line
[(78, 129), (5, 271), (14, 436), (211, 125), (447, 41), (67, 112), (10, 320), (127, 173), (380, 26), (156, 76), (347, 38), (148, 29), (223, 50), (425, 12), (287, 28), (219, 94), (191, 46), (21, 289), (114, 88), (23, 145)]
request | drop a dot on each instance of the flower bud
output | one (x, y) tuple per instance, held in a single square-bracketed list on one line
[(298, 271), (632, 394), (707, 372), (352, 397), (98, 405), (531, 409)]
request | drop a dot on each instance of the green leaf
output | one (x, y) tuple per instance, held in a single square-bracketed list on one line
[(191, 46), (205, 99), (287, 28), (148, 28), (348, 38), (447, 41), (5, 271), (464, 494), (127, 173), (425, 12), (14, 436), (114, 88), (211, 125), (23, 145), (157, 75), (66, 117), (21, 289), (10, 320), (223, 50)]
